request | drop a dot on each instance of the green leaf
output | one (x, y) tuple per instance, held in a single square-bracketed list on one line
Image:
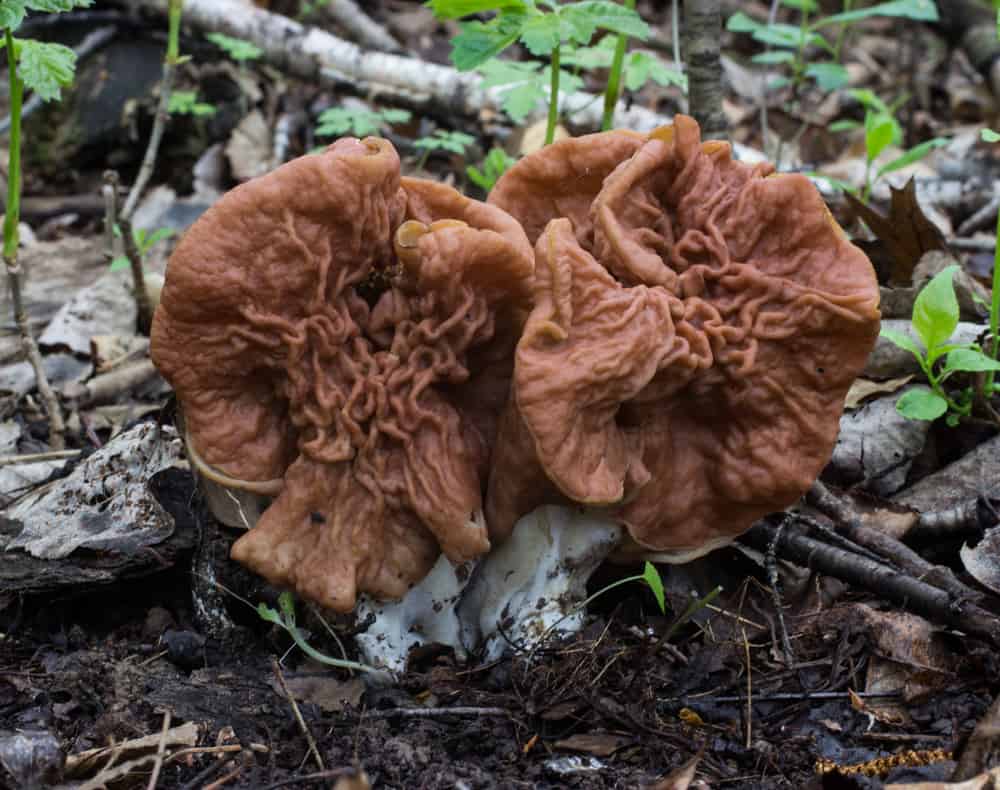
[(989, 135), (902, 340), (455, 9), (45, 67), (599, 56), (186, 103), (521, 101), (915, 154), (506, 72), (119, 263), (651, 577), (477, 42), (338, 121), (971, 360), (741, 23), (829, 76), (774, 57), (286, 603), (879, 130), (495, 164), (870, 100), (265, 612), (845, 125), (921, 404), (935, 310), (56, 6), (541, 34), (921, 10), (237, 48), (12, 13), (643, 66), (836, 183), (800, 5), (442, 140), (583, 18), (155, 238)]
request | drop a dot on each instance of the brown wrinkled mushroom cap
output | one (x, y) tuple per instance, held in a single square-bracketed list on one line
[(686, 362), (317, 324)]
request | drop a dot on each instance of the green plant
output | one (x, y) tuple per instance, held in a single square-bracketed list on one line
[(285, 618), (443, 140), (44, 68), (236, 48), (360, 122), (935, 317), (496, 163), (881, 130), (544, 33), (186, 103), (144, 242)]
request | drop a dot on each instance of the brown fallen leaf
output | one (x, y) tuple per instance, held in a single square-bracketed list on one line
[(906, 232), (682, 777), (862, 389)]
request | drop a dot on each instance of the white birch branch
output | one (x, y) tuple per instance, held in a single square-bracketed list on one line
[(365, 30)]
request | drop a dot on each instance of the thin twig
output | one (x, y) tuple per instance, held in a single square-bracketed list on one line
[(34, 458), (162, 114), (154, 777), (771, 564), (298, 716), (143, 306), (433, 713)]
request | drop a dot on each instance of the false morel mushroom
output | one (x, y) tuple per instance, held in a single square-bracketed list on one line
[(340, 338), (693, 337)]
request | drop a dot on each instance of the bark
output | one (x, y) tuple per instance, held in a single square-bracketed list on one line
[(363, 29), (702, 31)]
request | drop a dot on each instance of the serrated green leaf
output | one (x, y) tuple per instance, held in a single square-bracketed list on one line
[(988, 135), (541, 34), (643, 66), (506, 72), (56, 6), (455, 9), (12, 13), (969, 360), (520, 101), (914, 154), (652, 578), (921, 404), (443, 140), (584, 18), (902, 340), (359, 122), (935, 310), (45, 67), (828, 76), (477, 42)]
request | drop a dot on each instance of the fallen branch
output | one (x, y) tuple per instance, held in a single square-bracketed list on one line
[(867, 574), (363, 29)]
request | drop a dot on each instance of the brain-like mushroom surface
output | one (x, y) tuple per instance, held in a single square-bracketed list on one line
[(691, 345), (340, 338)]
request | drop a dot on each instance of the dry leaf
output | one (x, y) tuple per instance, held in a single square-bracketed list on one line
[(906, 232), (862, 389), (599, 744)]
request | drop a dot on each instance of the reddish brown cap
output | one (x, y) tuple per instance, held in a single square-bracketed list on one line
[(686, 366), (317, 325)]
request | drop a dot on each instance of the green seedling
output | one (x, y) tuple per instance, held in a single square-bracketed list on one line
[(144, 243), (443, 140), (881, 130), (338, 121), (544, 28), (285, 618), (186, 103), (793, 44), (236, 48), (496, 163), (935, 317)]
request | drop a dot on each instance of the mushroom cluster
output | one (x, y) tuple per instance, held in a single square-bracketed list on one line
[(340, 338), (697, 323), (406, 377)]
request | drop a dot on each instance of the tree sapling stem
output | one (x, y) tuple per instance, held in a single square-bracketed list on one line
[(613, 88), (57, 427), (550, 129)]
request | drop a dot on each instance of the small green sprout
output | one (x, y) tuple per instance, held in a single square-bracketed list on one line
[(144, 242), (338, 121), (935, 317), (496, 163), (186, 103), (236, 48)]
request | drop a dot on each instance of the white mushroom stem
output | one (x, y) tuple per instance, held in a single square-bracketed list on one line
[(532, 586), (426, 614)]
